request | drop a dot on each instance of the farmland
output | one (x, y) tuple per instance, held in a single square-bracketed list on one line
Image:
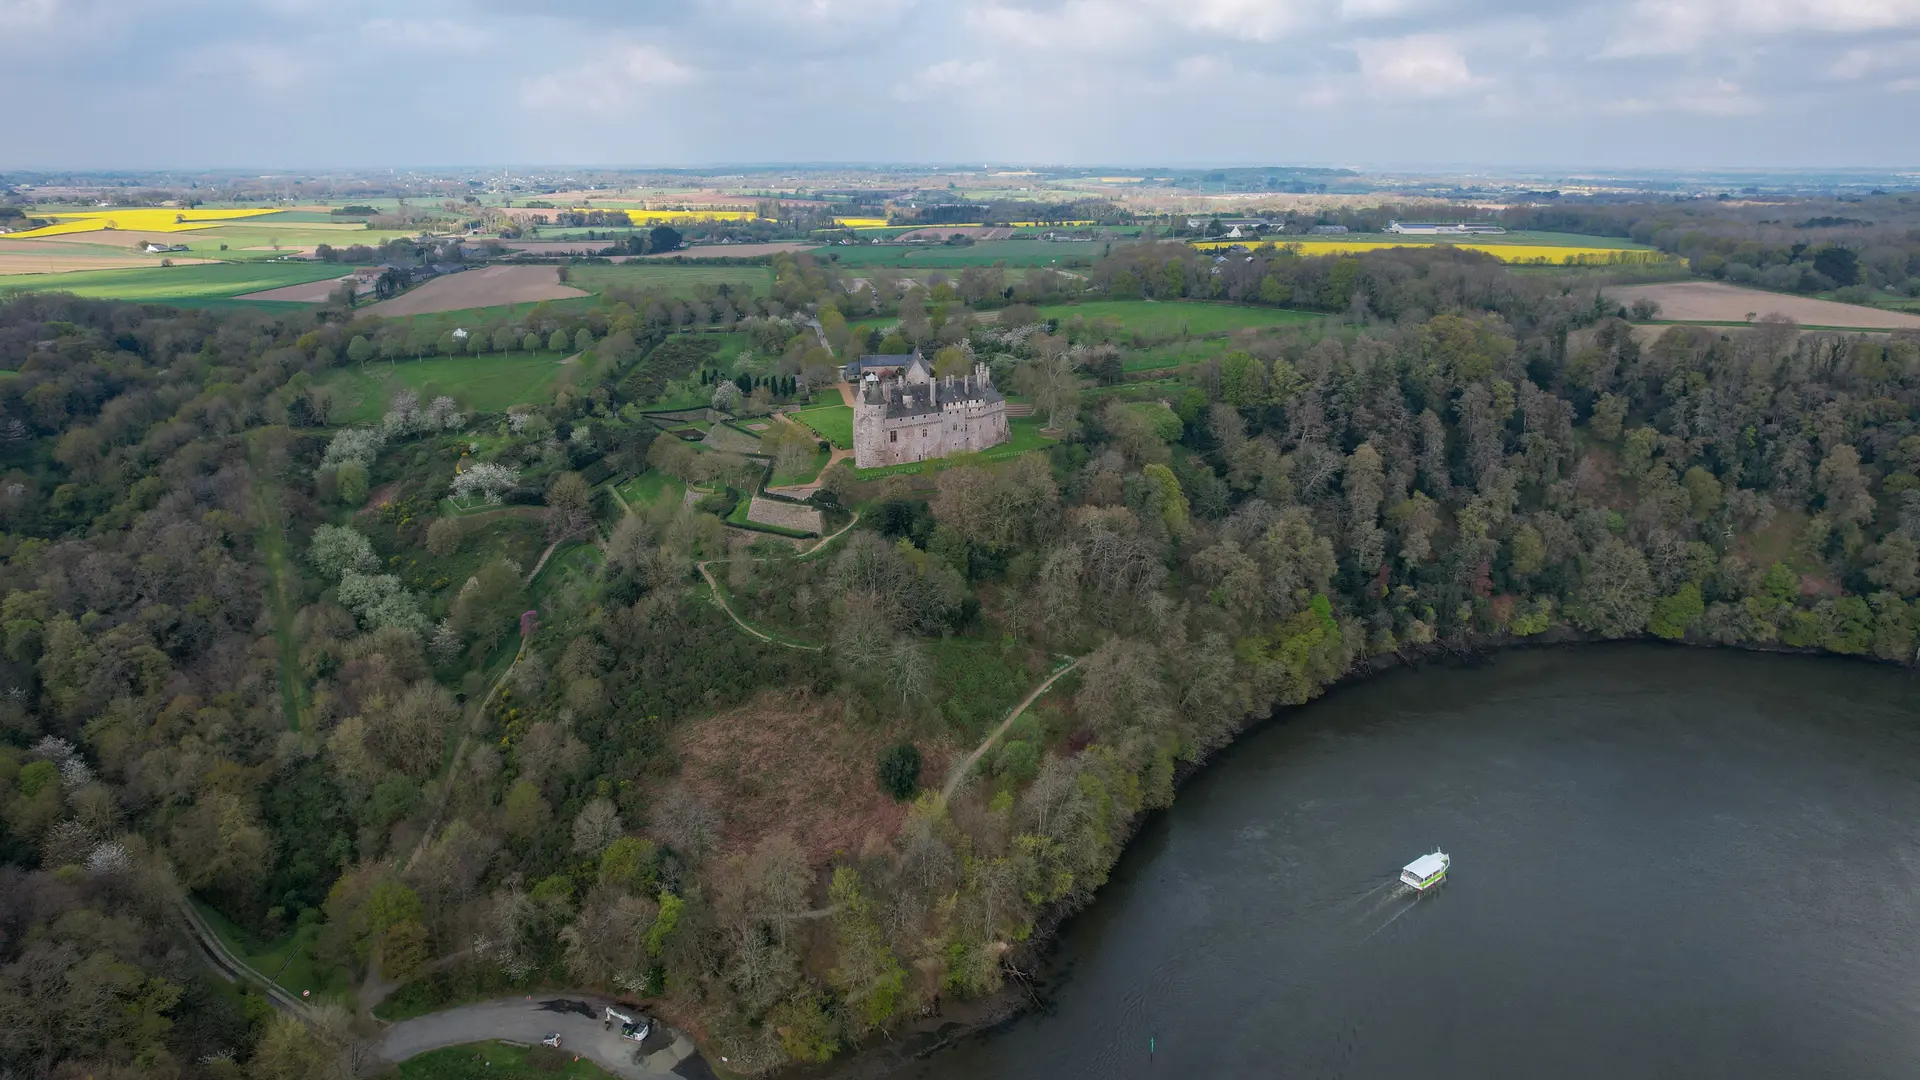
[(1602, 253), (490, 287), (1717, 302), (150, 219), (176, 284), (361, 393), (1015, 252), (678, 281)]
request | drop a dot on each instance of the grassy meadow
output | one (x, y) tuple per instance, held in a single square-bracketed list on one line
[(488, 383), (1179, 318)]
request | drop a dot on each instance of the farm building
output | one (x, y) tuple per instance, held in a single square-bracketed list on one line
[(914, 416), (1443, 228)]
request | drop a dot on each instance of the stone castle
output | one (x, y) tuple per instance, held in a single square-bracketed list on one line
[(902, 413)]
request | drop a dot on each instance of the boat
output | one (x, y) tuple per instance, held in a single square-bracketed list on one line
[(1426, 871)]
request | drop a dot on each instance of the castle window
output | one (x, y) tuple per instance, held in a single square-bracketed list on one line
[(893, 436), (923, 433)]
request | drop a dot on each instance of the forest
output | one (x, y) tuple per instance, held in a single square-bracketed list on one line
[(432, 702)]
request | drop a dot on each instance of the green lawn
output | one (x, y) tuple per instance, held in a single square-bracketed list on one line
[(833, 422), (677, 280), (652, 487), (500, 1061), (175, 284), (479, 383), (1166, 319)]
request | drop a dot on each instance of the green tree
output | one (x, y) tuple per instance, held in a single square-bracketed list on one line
[(558, 342), (1615, 595), (899, 771), (1675, 614), (359, 350)]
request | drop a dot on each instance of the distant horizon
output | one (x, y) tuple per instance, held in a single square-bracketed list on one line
[(15, 174)]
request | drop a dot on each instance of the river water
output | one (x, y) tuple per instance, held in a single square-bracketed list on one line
[(1666, 863)]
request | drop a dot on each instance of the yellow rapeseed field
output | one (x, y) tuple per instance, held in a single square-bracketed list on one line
[(1521, 254), (139, 219), (860, 222), (657, 217)]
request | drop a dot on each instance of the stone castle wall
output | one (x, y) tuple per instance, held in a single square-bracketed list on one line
[(959, 428)]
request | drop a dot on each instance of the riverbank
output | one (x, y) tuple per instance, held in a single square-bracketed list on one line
[(1034, 962)]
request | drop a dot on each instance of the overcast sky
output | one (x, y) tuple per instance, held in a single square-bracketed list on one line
[(317, 83)]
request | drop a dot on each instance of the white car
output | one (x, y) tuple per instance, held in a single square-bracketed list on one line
[(552, 1040), (637, 1032)]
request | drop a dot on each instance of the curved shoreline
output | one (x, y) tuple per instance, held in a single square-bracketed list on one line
[(1025, 987)]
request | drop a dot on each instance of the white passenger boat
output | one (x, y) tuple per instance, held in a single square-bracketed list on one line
[(1426, 871)]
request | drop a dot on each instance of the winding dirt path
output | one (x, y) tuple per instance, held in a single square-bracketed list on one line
[(960, 771), (721, 599)]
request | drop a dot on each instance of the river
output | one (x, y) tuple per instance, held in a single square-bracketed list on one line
[(1666, 863)]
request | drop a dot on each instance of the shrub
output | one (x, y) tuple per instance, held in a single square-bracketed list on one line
[(443, 537), (900, 771)]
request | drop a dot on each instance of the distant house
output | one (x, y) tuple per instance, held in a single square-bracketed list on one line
[(156, 247), (1328, 230), (1443, 228)]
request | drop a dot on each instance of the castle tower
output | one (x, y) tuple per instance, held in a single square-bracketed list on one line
[(869, 423)]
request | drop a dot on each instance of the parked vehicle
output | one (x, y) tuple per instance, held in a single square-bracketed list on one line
[(552, 1039)]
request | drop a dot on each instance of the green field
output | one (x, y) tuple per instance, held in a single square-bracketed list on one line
[(175, 284), (479, 383), (1179, 318), (500, 1061), (1017, 252), (833, 422), (678, 281)]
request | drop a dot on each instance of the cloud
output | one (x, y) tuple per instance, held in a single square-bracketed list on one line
[(1701, 97), (1669, 27), (463, 36), (948, 77), (608, 84), (1074, 26), (1419, 66)]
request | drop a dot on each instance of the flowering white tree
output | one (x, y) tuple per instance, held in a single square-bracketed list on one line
[(403, 416), (444, 415), (726, 397), (353, 446), (488, 480)]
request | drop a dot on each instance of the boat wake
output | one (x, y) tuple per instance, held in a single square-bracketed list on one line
[(1404, 893)]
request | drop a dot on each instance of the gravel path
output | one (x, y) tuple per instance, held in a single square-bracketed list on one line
[(531, 1019)]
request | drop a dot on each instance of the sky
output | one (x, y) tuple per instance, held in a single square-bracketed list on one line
[(102, 84)]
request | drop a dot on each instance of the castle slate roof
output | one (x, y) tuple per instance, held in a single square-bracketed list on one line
[(929, 398)]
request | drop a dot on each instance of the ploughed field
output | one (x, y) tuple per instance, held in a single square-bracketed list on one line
[(1714, 301), (489, 287)]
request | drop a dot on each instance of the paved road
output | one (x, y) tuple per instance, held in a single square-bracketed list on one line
[(528, 1020)]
